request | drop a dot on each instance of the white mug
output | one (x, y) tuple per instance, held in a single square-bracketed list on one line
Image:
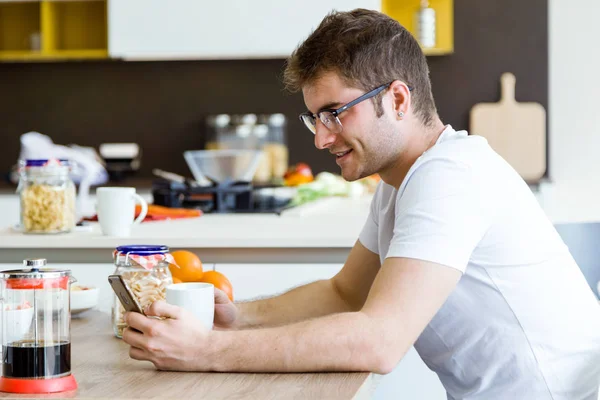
[(116, 210), (196, 297)]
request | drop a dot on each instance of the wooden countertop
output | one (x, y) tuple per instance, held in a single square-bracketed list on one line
[(103, 369)]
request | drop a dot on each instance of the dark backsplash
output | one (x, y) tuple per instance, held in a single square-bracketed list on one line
[(162, 105)]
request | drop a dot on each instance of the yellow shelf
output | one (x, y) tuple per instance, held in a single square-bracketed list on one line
[(27, 55), (53, 30), (18, 23), (85, 53), (70, 25), (438, 51), (405, 11)]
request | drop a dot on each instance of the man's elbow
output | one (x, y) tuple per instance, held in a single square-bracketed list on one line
[(384, 364), (382, 345), (385, 357)]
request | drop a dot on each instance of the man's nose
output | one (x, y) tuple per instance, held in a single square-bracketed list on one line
[(324, 138)]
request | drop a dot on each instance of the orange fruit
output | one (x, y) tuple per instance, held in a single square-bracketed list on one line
[(176, 280), (188, 268), (220, 281)]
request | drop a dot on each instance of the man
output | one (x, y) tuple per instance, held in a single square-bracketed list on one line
[(456, 256)]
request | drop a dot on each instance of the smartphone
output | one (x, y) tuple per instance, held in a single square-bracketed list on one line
[(125, 295)]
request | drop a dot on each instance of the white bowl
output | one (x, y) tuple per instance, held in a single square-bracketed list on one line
[(83, 298), (18, 322)]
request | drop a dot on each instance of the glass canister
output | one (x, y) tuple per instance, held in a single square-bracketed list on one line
[(145, 270), (218, 132), (47, 196), (36, 329), (263, 172), (276, 146)]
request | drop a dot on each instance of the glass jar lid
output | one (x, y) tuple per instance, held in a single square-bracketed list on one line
[(42, 162), (45, 167), (143, 249), (142, 255)]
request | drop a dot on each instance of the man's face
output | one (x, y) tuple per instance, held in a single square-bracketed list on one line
[(367, 144)]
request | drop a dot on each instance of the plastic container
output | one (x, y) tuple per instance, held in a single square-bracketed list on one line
[(145, 270), (47, 195)]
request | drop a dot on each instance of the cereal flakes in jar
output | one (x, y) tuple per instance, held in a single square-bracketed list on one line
[(145, 270), (47, 196)]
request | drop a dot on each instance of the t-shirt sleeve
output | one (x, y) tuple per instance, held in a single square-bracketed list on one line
[(370, 232), (443, 212)]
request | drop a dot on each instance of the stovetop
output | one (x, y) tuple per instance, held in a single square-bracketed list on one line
[(225, 197)]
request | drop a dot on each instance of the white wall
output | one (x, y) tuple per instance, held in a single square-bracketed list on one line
[(574, 111), (9, 210)]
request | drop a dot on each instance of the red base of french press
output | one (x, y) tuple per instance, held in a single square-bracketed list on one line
[(31, 386)]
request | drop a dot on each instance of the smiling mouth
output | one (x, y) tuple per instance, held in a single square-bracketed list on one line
[(342, 154)]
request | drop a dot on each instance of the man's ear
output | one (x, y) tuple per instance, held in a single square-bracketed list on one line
[(400, 98)]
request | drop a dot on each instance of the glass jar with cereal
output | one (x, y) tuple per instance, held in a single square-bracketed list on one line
[(47, 196), (145, 270)]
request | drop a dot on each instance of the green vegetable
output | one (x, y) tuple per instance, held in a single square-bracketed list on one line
[(326, 185)]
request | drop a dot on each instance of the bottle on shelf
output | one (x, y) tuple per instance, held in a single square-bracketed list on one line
[(426, 25)]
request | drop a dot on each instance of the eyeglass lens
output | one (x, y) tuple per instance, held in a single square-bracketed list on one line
[(330, 121)]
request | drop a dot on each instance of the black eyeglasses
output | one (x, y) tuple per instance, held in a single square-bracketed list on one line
[(329, 116)]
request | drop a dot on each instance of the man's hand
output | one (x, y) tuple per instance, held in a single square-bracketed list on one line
[(178, 342), (226, 313)]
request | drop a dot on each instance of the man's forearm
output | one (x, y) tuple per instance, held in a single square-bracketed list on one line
[(348, 341), (312, 300)]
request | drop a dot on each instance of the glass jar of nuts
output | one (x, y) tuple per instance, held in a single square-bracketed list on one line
[(145, 270), (47, 196)]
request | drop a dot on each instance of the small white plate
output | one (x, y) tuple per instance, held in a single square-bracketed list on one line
[(83, 300)]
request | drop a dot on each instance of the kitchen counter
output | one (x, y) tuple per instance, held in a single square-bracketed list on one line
[(320, 232), (103, 369)]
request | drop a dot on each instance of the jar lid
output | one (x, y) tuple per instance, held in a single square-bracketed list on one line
[(45, 162), (143, 249), (45, 166), (143, 255)]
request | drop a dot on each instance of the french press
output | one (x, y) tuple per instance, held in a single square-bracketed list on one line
[(36, 321)]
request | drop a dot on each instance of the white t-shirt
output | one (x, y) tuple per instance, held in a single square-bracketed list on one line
[(522, 323)]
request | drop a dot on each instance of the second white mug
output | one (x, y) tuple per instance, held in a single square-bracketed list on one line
[(196, 297), (116, 210)]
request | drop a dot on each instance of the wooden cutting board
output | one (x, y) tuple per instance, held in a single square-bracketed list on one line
[(516, 131)]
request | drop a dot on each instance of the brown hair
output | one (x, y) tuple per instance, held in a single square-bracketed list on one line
[(367, 49)]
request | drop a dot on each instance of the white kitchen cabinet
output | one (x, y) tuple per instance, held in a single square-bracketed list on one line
[(251, 281), (231, 29)]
